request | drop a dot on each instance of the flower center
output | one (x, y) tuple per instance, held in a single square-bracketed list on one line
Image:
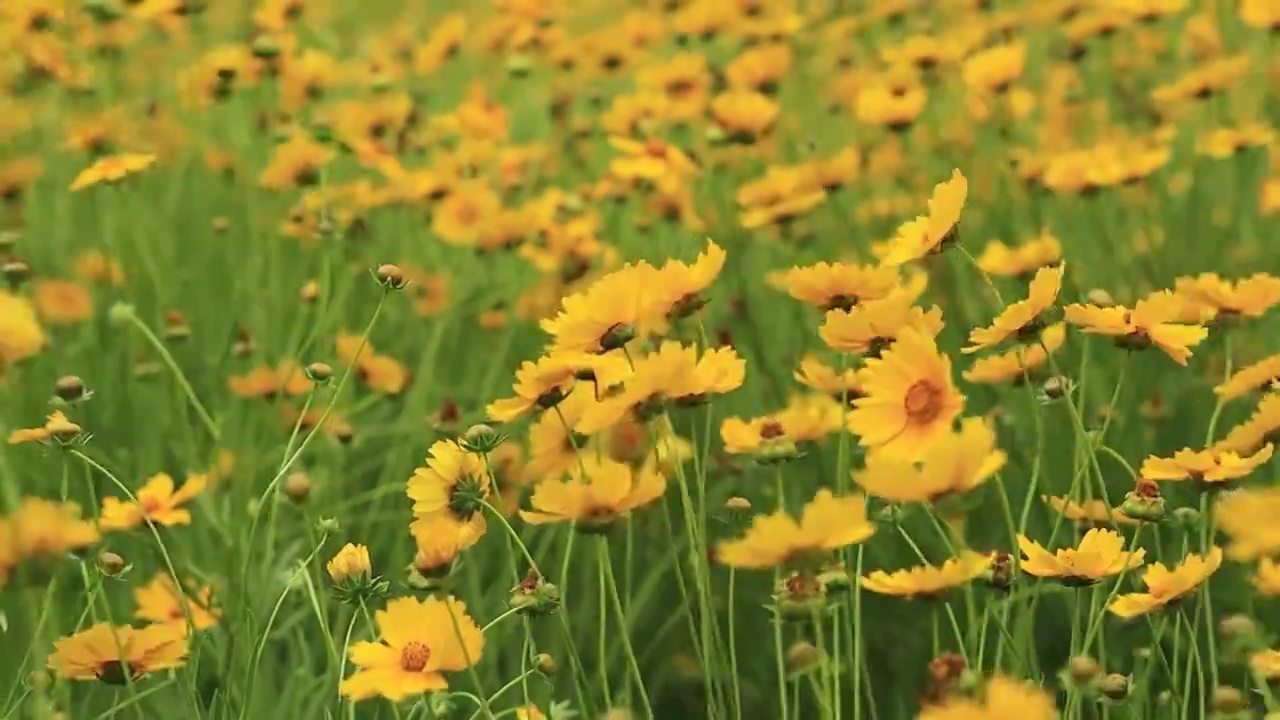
[(923, 402), (414, 656), (771, 429), (150, 505), (115, 672)]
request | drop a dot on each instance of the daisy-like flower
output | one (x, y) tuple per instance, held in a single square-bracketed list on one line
[(1247, 517), (454, 485), (1015, 365), (160, 601), (610, 313), (1001, 260), (1266, 580), (1001, 698), (1265, 664), (156, 502), (1250, 297), (1208, 468), (909, 399), (381, 373), (112, 169), (119, 655), (1250, 435), (287, 378), (931, 233), (545, 382), (420, 640), (929, 581), (438, 544), (56, 425), (806, 418), (680, 286), (1260, 375), (1100, 554), (744, 116), (1165, 585), (62, 302), (1020, 318), (994, 69), (597, 493), (654, 160), (870, 327), (829, 286), (42, 530), (296, 163), (1090, 512), (21, 335), (817, 375), (827, 523), (953, 465), (1150, 322)]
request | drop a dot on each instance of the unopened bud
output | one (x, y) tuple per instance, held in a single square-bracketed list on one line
[(1187, 517), (318, 372), (328, 526), (481, 439), (803, 657), (309, 292), (390, 277), (70, 388), (1228, 700), (1055, 387), (545, 664), (297, 486), (1237, 627), (1144, 502), (1083, 670), (111, 564), (1115, 686), (1100, 297), (16, 271), (220, 225)]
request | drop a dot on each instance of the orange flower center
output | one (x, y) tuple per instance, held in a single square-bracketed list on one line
[(772, 429), (414, 656), (150, 504), (923, 402), (656, 148)]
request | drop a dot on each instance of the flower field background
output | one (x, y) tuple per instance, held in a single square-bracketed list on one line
[(722, 358)]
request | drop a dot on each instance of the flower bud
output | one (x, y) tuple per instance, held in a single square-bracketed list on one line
[(803, 657), (121, 313), (1228, 701), (617, 336), (800, 596), (297, 486), (519, 66), (318, 372), (1055, 387), (1144, 502), (1115, 686), (352, 575), (545, 664), (1082, 672), (390, 277), (70, 388), (16, 271), (265, 47), (535, 596), (220, 225), (481, 439), (1187, 517), (328, 526), (1100, 297), (111, 564), (737, 504), (835, 578), (309, 292), (1238, 627)]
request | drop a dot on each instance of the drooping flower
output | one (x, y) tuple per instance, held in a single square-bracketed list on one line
[(1150, 322), (1003, 261), (112, 169), (156, 502), (817, 375), (453, 485), (420, 640), (1208, 468), (545, 382), (870, 327), (1165, 585), (1249, 297), (1261, 427), (1260, 375), (931, 233), (160, 601), (597, 493), (1100, 554), (56, 425), (827, 523), (1021, 317), (119, 655), (42, 530), (807, 418), (680, 285), (953, 465), (928, 581), (829, 286)]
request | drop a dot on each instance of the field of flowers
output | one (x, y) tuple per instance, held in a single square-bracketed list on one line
[(725, 359)]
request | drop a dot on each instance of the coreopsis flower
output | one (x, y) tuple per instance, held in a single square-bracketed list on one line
[(56, 426), (683, 81), (295, 163), (929, 234), (1020, 318), (1250, 297), (96, 267), (1166, 585), (1261, 375), (62, 302), (119, 655), (893, 101), (1261, 14), (1015, 365), (381, 373), (954, 464), (1261, 427), (437, 544), (461, 215), (929, 581), (870, 327), (782, 195), (994, 69), (841, 385), (1247, 517), (160, 601), (830, 286), (1150, 322), (352, 561), (672, 374), (287, 378), (1091, 512), (827, 523), (530, 712), (420, 640), (909, 401), (1100, 554), (156, 502), (807, 418), (1001, 260), (610, 313), (744, 116), (21, 335), (1266, 580), (1208, 468), (112, 169), (454, 485), (597, 493), (680, 286), (655, 161), (545, 382), (1001, 698), (41, 530)]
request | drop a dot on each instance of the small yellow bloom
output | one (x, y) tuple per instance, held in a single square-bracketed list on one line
[(1091, 512), (1001, 699), (1265, 664), (160, 601), (42, 530), (1248, 517), (1249, 436), (156, 502), (21, 335), (1165, 585), (831, 286), (1020, 317), (596, 494), (351, 562), (1100, 554), (544, 383), (119, 655), (927, 581), (1150, 322), (1003, 261), (1210, 468), (817, 375), (1267, 578), (827, 523), (1250, 297), (954, 465), (931, 233), (111, 169), (1015, 365), (1261, 375), (55, 425), (870, 327)]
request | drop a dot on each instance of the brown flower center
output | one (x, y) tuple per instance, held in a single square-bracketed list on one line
[(923, 402), (771, 429), (414, 656)]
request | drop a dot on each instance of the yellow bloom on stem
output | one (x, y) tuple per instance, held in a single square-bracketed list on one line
[(156, 502), (111, 169), (95, 266), (1001, 260), (1250, 435), (681, 285), (910, 401), (806, 418), (119, 655), (870, 327), (460, 217), (1100, 554), (1091, 512), (597, 493), (56, 425), (1001, 699), (1210, 468), (454, 485), (42, 530), (607, 315), (928, 581), (20, 333), (829, 286), (1020, 318), (1265, 664), (995, 68), (381, 373), (953, 465), (420, 640), (1250, 297), (1247, 517), (530, 712), (437, 544), (295, 163), (1013, 366), (1267, 578), (931, 233), (817, 375), (655, 161), (352, 561), (160, 601), (545, 382), (826, 524), (1261, 375), (1165, 585), (744, 115), (287, 378), (1150, 322), (62, 302)]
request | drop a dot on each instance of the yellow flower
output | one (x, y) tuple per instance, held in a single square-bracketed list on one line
[(680, 286), (1267, 579), (94, 266), (744, 115), (616, 308), (1210, 468), (1265, 664), (830, 286), (1015, 364), (827, 523), (381, 373), (352, 561), (1252, 434), (55, 425), (462, 215), (287, 378), (1150, 322), (910, 401), (20, 333), (111, 169), (894, 102), (1003, 261), (870, 327), (119, 655), (596, 494), (817, 375), (1092, 512), (760, 67), (545, 382), (927, 581), (1261, 14), (530, 712), (655, 161), (156, 502), (955, 464), (1020, 318), (1100, 554), (62, 302), (1248, 517), (1165, 585), (454, 485), (807, 418), (1002, 699), (1250, 297), (438, 544), (420, 641), (1258, 376), (41, 530), (931, 233), (995, 68), (160, 601), (295, 163)]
